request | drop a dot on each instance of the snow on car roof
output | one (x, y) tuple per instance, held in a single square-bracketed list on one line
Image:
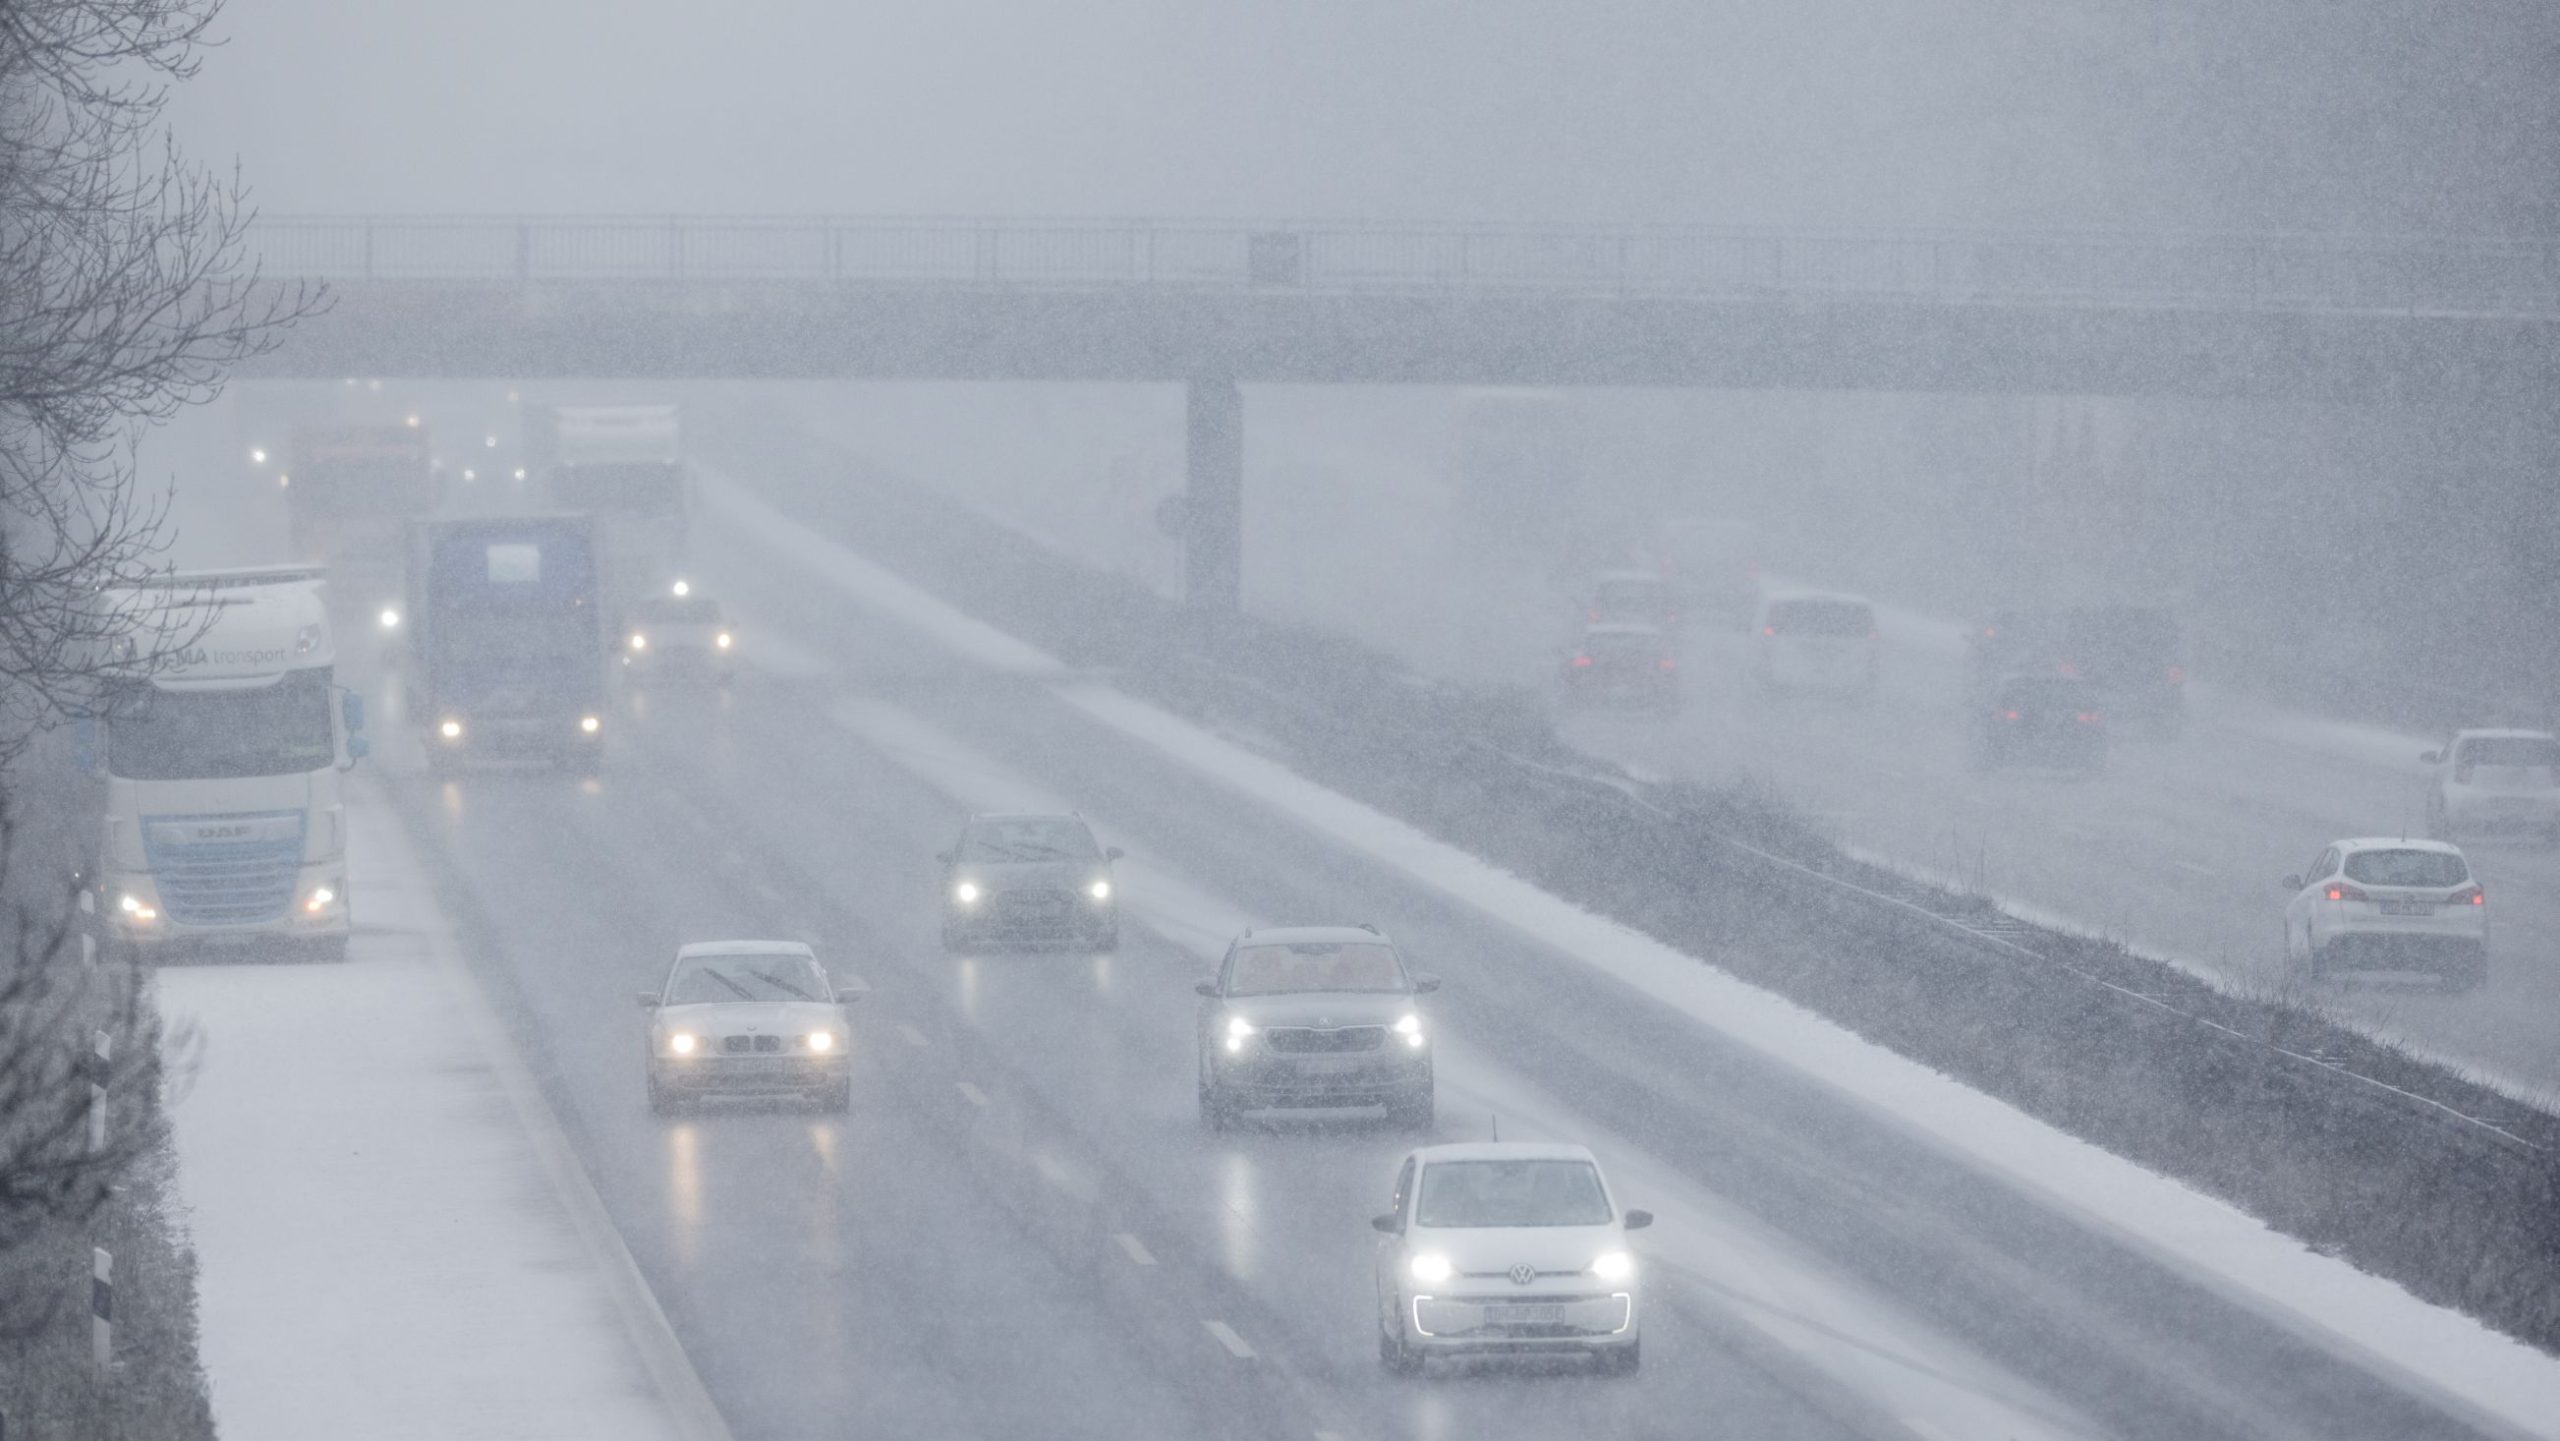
[(1505, 1151), (743, 948), (2396, 843), (1312, 936)]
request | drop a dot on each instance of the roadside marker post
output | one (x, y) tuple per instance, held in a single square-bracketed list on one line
[(101, 1054), (102, 1307)]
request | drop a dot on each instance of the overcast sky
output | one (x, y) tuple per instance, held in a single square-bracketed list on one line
[(2295, 114)]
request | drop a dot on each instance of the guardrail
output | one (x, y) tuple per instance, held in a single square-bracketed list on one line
[(2400, 276)]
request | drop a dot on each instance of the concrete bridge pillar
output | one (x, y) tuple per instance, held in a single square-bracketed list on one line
[(1213, 509)]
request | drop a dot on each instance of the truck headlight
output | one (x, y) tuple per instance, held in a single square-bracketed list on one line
[(639, 641), (136, 908), (318, 900)]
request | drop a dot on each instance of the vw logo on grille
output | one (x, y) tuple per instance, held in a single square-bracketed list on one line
[(1523, 1274)]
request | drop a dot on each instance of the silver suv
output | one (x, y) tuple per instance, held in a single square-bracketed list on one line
[(1314, 1016)]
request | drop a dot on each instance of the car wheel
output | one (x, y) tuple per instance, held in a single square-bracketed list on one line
[(662, 1099), (1399, 1357), (1411, 1111), (1622, 1360)]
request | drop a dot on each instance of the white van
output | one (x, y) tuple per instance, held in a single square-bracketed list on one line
[(1811, 640), (2495, 781)]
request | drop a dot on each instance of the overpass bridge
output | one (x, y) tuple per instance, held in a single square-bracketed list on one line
[(1211, 305)]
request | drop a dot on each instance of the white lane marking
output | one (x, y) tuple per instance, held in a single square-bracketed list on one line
[(1138, 1253), (1228, 1338), (914, 1037), (2193, 867), (971, 1094)]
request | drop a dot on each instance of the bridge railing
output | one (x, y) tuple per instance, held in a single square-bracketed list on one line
[(2307, 273)]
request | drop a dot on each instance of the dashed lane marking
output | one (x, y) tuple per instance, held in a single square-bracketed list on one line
[(1228, 1338), (971, 1094), (1138, 1253), (914, 1037)]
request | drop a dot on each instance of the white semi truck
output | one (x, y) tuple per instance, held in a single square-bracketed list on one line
[(624, 465), (220, 745)]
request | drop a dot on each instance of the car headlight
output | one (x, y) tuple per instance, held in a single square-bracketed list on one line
[(1409, 1026), (590, 724), (451, 730), (821, 1041), (966, 893), (639, 641), (683, 1043), (137, 908), (319, 900), (390, 618), (1099, 890), (1431, 1267), (721, 640), (1613, 1266), (1238, 1028)]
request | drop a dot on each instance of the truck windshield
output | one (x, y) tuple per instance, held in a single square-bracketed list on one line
[(272, 730)]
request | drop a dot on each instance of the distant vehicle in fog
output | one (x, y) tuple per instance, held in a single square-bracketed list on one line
[(1507, 1248), (2129, 652), (1029, 880), (1809, 640), (747, 1018), (2495, 782), (1314, 1016), (1618, 664), (2040, 720), (1630, 597), (1713, 565), (624, 465), (220, 747), (680, 635), (2379, 903), (348, 492), (505, 655)]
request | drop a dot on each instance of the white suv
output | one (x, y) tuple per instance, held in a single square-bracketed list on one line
[(2389, 904), (2490, 781), (1506, 1247)]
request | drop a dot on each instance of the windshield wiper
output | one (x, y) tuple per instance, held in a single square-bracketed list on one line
[(724, 978), (779, 984)]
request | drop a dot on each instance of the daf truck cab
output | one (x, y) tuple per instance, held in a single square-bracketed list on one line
[(221, 742)]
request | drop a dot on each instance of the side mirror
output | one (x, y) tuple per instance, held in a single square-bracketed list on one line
[(2290, 883), (648, 1000), (2432, 757), (1638, 1220), (1112, 853), (357, 749), (1425, 985), (1207, 988), (351, 707), (1386, 1223)]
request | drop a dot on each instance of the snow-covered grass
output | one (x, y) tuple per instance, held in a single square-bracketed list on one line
[(390, 1244)]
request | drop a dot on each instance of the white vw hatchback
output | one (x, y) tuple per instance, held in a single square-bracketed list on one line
[(1506, 1247)]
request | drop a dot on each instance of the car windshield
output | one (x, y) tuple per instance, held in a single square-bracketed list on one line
[(1272, 970), (778, 976), (2407, 868), (269, 730), (2510, 751), (1029, 838), (1512, 1193), (1821, 617)]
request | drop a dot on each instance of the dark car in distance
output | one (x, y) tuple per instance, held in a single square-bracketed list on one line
[(1029, 881), (2048, 721)]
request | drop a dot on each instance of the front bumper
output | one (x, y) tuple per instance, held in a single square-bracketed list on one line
[(167, 920), (750, 1075), (2492, 814), (1488, 1323), (1319, 1081), (1032, 918)]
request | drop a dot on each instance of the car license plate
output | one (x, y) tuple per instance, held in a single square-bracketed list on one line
[(2408, 908), (1534, 1313)]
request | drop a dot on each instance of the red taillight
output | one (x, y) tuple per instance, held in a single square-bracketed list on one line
[(2066, 667), (2345, 893), (1595, 615), (2008, 715), (2177, 675), (1989, 631), (1670, 662), (2471, 894), (1581, 662), (1875, 635), (2090, 717), (1768, 630)]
